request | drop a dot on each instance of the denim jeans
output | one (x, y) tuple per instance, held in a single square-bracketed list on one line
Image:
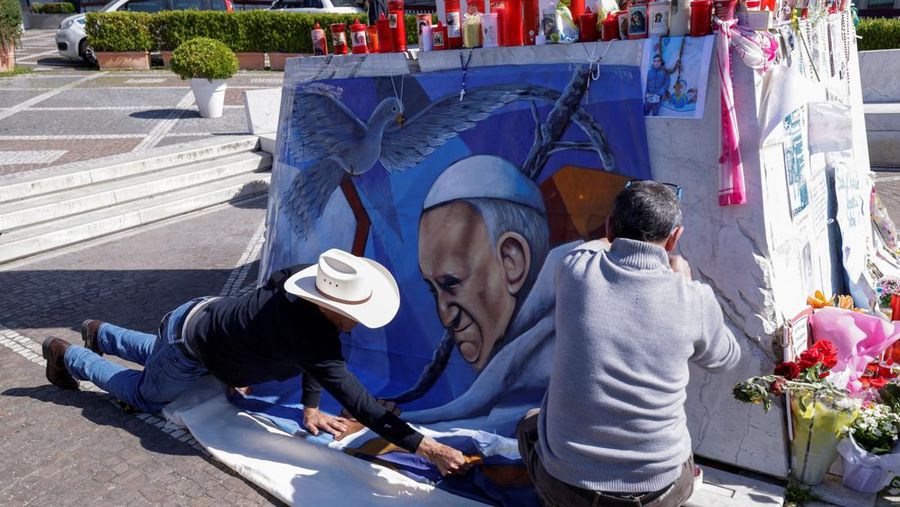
[(167, 371)]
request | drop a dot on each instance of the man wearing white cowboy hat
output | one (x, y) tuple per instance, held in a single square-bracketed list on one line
[(277, 332)]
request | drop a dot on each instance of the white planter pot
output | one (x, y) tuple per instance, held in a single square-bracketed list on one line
[(210, 96)]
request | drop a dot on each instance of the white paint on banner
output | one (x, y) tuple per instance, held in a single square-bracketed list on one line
[(30, 157)]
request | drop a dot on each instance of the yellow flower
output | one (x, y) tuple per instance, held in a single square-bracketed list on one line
[(819, 300)]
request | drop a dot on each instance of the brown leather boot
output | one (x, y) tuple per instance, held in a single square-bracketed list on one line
[(53, 350), (89, 329)]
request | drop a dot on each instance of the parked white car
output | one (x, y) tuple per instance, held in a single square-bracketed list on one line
[(71, 40), (318, 6)]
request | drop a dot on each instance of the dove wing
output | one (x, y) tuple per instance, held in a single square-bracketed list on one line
[(406, 146), (309, 192), (322, 127)]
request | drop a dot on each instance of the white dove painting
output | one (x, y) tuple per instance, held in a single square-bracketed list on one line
[(449, 194)]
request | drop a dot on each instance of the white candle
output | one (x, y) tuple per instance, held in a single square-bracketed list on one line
[(489, 30), (425, 40)]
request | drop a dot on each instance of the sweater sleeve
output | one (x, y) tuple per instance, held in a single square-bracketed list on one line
[(312, 391), (716, 349)]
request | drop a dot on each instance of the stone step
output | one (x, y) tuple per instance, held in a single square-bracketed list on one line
[(23, 185), (46, 236), (882, 116), (883, 133), (54, 205)]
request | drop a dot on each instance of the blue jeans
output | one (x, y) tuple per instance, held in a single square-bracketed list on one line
[(167, 371)]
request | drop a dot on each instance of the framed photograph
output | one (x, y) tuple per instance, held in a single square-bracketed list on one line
[(796, 340)]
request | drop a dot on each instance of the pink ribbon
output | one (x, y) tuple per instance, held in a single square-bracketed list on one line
[(757, 51), (731, 171)]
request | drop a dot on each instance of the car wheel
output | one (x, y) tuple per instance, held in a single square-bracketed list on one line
[(87, 53)]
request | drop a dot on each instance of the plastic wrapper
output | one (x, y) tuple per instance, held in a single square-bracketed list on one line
[(566, 29), (864, 471)]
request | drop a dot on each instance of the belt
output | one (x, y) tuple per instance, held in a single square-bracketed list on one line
[(185, 333), (624, 499)]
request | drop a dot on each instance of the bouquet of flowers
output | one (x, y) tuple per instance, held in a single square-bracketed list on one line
[(867, 465), (876, 429), (807, 374)]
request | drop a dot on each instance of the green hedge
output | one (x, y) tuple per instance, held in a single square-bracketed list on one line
[(10, 22), (119, 31), (878, 33), (171, 29), (202, 57), (244, 31), (53, 8)]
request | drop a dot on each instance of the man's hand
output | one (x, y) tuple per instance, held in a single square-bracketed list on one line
[(448, 460), (314, 420), (679, 265)]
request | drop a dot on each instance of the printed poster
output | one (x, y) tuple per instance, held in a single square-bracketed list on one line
[(675, 71), (449, 195)]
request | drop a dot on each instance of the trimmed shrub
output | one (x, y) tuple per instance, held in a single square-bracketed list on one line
[(119, 31), (10, 22), (53, 8), (202, 57), (878, 33), (171, 29)]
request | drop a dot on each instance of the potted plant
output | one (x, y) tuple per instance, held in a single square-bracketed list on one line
[(207, 63), (121, 40), (10, 32)]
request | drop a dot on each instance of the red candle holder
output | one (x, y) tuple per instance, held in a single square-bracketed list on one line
[(396, 16), (319, 42), (530, 14), (339, 38), (385, 37), (610, 27), (454, 24), (587, 26), (701, 17)]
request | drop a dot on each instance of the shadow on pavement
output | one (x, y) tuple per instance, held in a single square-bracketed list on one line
[(96, 408), (40, 303), (164, 114)]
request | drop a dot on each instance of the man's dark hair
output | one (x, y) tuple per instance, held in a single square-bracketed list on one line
[(645, 211)]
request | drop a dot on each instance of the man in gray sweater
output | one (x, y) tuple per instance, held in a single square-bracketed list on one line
[(612, 428)]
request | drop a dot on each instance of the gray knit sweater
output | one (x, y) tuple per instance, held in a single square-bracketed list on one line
[(613, 417)]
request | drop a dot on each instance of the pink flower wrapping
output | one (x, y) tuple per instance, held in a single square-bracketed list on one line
[(860, 339)]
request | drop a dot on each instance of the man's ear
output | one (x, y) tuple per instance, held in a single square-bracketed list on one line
[(515, 255), (673, 238), (609, 231)]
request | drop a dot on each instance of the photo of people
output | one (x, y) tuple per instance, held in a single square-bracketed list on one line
[(675, 72)]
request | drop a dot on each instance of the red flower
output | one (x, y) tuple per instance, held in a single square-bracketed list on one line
[(810, 358), (877, 382), (829, 352), (788, 370), (777, 387), (824, 374)]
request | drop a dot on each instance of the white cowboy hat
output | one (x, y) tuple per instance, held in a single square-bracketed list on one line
[(353, 286)]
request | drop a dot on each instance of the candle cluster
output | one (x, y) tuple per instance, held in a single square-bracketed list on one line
[(492, 23)]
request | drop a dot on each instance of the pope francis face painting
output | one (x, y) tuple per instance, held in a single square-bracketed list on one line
[(477, 252)]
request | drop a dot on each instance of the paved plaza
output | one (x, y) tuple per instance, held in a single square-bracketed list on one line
[(64, 112)]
